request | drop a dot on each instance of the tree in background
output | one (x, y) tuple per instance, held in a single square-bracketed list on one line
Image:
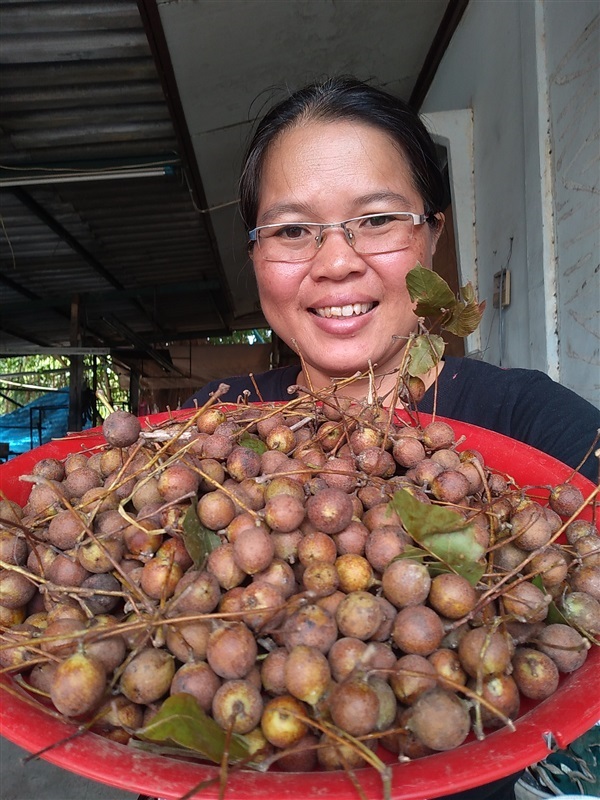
[(24, 379)]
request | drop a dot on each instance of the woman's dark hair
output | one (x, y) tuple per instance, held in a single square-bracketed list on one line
[(343, 98)]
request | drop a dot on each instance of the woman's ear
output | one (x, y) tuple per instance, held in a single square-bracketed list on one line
[(437, 230)]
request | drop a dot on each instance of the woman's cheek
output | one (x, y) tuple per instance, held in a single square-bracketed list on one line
[(279, 286), (275, 297)]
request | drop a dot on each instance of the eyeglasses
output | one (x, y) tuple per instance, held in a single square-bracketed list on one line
[(370, 234)]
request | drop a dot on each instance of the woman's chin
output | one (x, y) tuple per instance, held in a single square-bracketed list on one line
[(339, 369)]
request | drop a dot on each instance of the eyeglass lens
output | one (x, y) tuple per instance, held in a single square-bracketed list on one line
[(299, 242)]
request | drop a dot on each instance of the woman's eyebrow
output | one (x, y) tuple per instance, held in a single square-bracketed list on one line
[(399, 201), (274, 212)]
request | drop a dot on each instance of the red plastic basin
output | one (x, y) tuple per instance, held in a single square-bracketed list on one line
[(571, 711)]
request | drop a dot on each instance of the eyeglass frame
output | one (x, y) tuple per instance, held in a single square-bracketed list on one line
[(417, 219)]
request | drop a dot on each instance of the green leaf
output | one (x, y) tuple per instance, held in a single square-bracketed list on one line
[(555, 615), (182, 721), (252, 443), (431, 293), (444, 532), (422, 519), (460, 551), (414, 553), (471, 571), (425, 353), (199, 541)]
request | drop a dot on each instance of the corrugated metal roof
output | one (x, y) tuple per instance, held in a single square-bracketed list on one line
[(163, 87), (79, 91)]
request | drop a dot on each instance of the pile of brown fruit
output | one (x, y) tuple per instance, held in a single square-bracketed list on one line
[(270, 561)]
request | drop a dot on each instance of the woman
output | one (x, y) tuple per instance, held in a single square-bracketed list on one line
[(342, 196)]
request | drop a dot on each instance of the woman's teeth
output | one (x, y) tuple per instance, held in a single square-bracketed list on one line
[(352, 310)]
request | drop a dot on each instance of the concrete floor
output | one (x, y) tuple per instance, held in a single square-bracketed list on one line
[(39, 780)]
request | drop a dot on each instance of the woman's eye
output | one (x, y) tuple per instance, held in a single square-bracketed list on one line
[(292, 232), (379, 221)]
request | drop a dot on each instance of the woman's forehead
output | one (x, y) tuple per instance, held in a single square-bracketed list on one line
[(343, 134), (348, 156)]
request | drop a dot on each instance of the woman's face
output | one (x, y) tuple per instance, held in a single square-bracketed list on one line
[(328, 172)]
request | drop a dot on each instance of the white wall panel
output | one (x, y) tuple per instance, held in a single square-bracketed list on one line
[(528, 69)]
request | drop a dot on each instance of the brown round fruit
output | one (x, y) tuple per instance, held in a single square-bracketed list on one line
[(359, 615), (78, 685), (535, 673), (147, 677), (281, 721), (406, 583), (583, 611), (418, 629), (330, 510), (440, 720), (121, 429), (354, 707), (237, 706), (413, 675), (566, 499), (253, 550), (451, 595), (502, 692), (307, 674), (567, 648), (526, 603), (231, 650), (310, 625), (483, 652)]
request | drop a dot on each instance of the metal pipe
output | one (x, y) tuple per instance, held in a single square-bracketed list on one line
[(86, 177)]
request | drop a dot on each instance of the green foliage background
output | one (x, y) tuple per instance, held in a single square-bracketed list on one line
[(20, 374)]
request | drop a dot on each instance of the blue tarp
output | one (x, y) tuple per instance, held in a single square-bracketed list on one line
[(36, 423)]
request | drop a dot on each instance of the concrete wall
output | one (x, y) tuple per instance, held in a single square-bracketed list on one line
[(528, 70)]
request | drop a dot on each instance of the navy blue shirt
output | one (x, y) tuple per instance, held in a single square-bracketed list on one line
[(524, 404)]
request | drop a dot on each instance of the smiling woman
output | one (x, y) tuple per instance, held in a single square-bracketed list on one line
[(347, 302), (342, 196)]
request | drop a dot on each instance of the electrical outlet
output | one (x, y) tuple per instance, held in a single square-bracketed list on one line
[(502, 288)]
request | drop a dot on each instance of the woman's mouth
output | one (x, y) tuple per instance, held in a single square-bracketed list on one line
[(350, 310)]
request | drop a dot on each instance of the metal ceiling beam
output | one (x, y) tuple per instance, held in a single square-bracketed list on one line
[(139, 342), (35, 302), (152, 23), (16, 287), (153, 292), (40, 178), (184, 336), (160, 52), (55, 226), (17, 334), (452, 16), (60, 351)]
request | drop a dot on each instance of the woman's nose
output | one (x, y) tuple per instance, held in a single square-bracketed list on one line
[(336, 257)]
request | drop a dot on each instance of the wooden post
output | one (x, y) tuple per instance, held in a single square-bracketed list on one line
[(95, 389), (134, 392), (76, 371)]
